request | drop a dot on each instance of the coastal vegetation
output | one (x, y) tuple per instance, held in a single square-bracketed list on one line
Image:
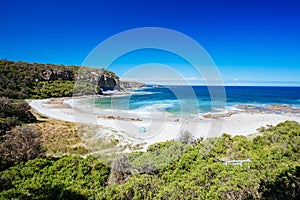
[(18, 142), (13, 113)]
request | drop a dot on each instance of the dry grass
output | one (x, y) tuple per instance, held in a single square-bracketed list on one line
[(61, 137)]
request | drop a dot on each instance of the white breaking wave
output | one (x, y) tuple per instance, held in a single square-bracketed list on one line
[(154, 107), (151, 111), (144, 93)]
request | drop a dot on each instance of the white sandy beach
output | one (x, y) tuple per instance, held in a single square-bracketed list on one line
[(158, 130)]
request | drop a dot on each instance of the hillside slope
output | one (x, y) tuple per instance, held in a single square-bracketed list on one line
[(20, 80)]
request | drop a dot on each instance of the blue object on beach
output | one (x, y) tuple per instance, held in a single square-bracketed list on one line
[(142, 129)]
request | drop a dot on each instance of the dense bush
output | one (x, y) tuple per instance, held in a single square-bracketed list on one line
[(18, 80), (69, 177), (57, 88), (13, 113), (285, 186), (195, 171), (20, 145)]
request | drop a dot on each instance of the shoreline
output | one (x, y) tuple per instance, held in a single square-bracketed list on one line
[(242, 122)]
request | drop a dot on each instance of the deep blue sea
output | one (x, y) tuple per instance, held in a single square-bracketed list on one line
[(195, 100)]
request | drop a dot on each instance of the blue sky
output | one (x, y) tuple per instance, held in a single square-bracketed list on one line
[(251, 42)]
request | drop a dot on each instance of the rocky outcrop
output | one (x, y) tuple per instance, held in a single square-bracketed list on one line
[(129, 85), (51, 75), (106, 80), (108, 83)]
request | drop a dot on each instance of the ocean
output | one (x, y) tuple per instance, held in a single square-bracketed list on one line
[(197, 100)]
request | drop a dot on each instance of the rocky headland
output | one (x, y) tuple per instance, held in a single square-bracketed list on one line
[(20, 80)]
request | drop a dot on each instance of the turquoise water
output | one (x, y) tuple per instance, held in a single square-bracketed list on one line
[(197, 99)]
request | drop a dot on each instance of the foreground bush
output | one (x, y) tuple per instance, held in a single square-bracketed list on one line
[(21, 144), (13, 113), (196, 171), (69, 177)]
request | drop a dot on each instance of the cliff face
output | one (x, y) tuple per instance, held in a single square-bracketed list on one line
[(21, 80), (51, 75), (104, 79), (108, 83)]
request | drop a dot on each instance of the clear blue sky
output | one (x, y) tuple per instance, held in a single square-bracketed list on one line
[(251, 42)]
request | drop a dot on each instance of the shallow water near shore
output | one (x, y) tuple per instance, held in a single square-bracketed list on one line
[(195, 101)]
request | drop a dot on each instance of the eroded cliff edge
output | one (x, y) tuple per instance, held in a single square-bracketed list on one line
[(21, 80)]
